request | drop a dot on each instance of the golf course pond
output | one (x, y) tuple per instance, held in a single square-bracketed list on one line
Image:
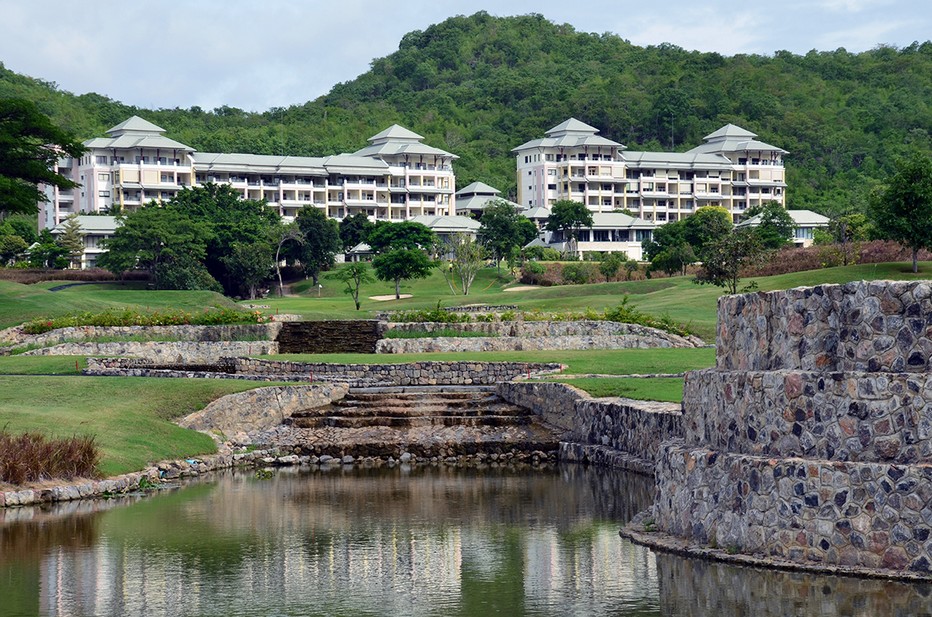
[(427, 540)]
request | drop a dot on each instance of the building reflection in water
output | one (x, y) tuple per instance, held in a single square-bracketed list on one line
[(394, 542)]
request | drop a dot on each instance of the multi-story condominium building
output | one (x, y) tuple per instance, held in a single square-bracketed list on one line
[(731, 169), (396, 177)]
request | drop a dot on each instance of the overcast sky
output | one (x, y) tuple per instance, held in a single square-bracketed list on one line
[(257, 54)]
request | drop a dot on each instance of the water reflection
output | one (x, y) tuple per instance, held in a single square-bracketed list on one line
[(396, 542)]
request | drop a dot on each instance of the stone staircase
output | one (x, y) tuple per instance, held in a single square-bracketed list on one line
[(425, 421)]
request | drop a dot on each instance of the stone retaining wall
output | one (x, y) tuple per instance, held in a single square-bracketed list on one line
[(513, 343), (610, 431), (242, 332), (646, 337), (811, 440), (861, 326), (346, 336), (871, 417), (163, 351), (256, 410), (851, 514), (408, 374)]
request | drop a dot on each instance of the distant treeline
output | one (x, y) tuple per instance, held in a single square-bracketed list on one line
[(479, 86)]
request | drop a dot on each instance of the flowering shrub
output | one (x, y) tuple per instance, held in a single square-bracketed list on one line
[(132, 317)]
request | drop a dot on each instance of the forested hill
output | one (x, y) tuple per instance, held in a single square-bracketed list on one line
[(478, 86)]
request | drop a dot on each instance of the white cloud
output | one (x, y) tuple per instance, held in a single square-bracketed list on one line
[(256, 55)]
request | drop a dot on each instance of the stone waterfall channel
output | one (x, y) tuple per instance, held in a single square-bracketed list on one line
[(421, 422)]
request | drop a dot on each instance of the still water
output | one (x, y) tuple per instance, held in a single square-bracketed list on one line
[(399, 542)]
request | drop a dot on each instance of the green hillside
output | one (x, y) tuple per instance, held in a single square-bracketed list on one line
[(481, 85)]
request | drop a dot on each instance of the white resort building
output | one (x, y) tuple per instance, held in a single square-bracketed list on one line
[(731, 169), (395, 178)]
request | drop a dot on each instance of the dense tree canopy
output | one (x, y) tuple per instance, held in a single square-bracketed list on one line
[(776, 225), (30, 146), (480, 85), (320, 241), (503, 231), (902, 211)]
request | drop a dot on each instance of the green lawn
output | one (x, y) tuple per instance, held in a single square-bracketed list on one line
[(20, 303), (678, 297), (130, 417), (668, 389)]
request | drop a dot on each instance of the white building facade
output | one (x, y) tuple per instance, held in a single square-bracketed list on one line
[(395, 178), (731, 169)]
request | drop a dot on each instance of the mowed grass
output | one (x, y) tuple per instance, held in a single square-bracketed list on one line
[(20, 303), (667, 389), (678, 297), (130, 417)]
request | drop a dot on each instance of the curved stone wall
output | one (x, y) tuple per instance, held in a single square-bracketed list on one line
[(877, 326), (873, 417), (811, 440)]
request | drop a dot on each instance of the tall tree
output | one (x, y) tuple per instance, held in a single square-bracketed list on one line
[(250, 264), (231, 221), (353, 275), (165, 242), (706, 226), (47, 253), (405, 235), (465, 259), (355, 229), (669, 250), (726, 258), (285, 235), (568, 217), (321, 241), (902, 211), (30, 146), (401, 265), (776, 225), (503, 230), (72, 240)]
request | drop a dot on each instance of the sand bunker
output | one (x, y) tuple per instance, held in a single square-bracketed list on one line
[(388, 297)]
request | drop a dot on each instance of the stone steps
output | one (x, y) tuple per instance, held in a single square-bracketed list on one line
[(410, 421), (427, 422)]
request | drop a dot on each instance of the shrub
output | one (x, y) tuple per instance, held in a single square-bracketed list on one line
[(578, 273), (32, 457), (611, 264), (28, 276), (131, 317)]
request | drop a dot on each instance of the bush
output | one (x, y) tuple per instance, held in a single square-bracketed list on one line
[(611, 264), (28, 276), (131, 317), (578, 273), (32, 457)]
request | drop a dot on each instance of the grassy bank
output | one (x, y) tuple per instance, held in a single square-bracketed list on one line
[(20, 303), (129, 417)]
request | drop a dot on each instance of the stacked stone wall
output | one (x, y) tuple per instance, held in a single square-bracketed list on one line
[(610, 431), (878, 326), (409, 374), (358, 336), (811, 440), (256, 410), (59, 336), (181, 353)]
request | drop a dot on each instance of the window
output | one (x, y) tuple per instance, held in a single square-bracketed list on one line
[(103, 193), (103, 177), (551, 187), (601, 235), (101, 160)]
